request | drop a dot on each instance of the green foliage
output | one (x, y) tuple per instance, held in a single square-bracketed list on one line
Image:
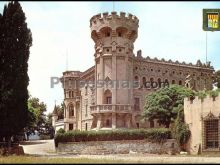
[(217, 78), (37, 109), (201, 94), (61, 131), (213, 93), (154, 135), (15, 41), (60, 111), (180, 130), (165, 103)]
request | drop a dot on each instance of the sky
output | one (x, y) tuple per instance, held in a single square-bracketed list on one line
[(61, 33)]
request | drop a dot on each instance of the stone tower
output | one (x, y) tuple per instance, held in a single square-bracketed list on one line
[(71, 99), (114, 36)]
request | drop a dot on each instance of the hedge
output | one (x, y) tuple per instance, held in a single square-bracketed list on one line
[(152, 134)]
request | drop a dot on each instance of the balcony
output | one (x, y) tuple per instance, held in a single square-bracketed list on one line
[(71, 119), (109, 108)]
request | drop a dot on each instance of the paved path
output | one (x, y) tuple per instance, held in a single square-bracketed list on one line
[(46, 148), (39, 147)]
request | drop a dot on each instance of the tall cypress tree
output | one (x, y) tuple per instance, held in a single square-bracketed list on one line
[(15, 42)]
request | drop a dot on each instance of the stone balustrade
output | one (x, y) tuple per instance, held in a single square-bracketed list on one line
[(111, 108)]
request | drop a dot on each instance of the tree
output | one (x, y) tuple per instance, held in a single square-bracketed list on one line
[(49, 130), (37, 109), (217, 78), (60, 111), (165, 103), (15, 42)]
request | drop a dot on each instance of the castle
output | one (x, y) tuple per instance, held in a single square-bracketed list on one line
[(96, 106)]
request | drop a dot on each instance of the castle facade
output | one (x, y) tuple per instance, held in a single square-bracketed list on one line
[(111, 94)]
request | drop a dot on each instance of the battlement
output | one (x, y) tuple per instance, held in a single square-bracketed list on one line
[(71, 74), (105, 17), (205, 100), (156, 60)]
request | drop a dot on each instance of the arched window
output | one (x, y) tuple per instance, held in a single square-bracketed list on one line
[(173, 81), (144, 82), (180, 82), (151, 123), (107, 34), (151, 82), (159, 82), (86, 90), (71, 110), (108, 97), (136, 81), (69, 94)]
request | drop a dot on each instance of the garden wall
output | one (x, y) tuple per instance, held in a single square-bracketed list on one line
[(169, 146)]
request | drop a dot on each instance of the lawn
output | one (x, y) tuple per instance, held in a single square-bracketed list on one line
[(38, 160)]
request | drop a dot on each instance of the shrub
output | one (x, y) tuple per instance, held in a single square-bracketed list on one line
[(213, 93), (181, 130), (61, 130), (201, 94), (154, 135)]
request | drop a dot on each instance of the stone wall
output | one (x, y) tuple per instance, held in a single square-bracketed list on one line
[(170, 146), (195, 113)]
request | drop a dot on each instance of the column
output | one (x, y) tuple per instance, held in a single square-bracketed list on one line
[(113, 120), (98, 122), (128, 118)]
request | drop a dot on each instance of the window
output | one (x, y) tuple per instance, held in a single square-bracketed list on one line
[(144, 82), (86, 92), (137, 103), (151, 124), (137, 124), (119, 34), (71, 110), (211, 133), (69, 94), (107, 34), (180, 82), (159, 82), (86, 114), (109, 100), (173, 81), (70, 126), (86, 126), (107, 123), (166, 82), (152, 82)]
